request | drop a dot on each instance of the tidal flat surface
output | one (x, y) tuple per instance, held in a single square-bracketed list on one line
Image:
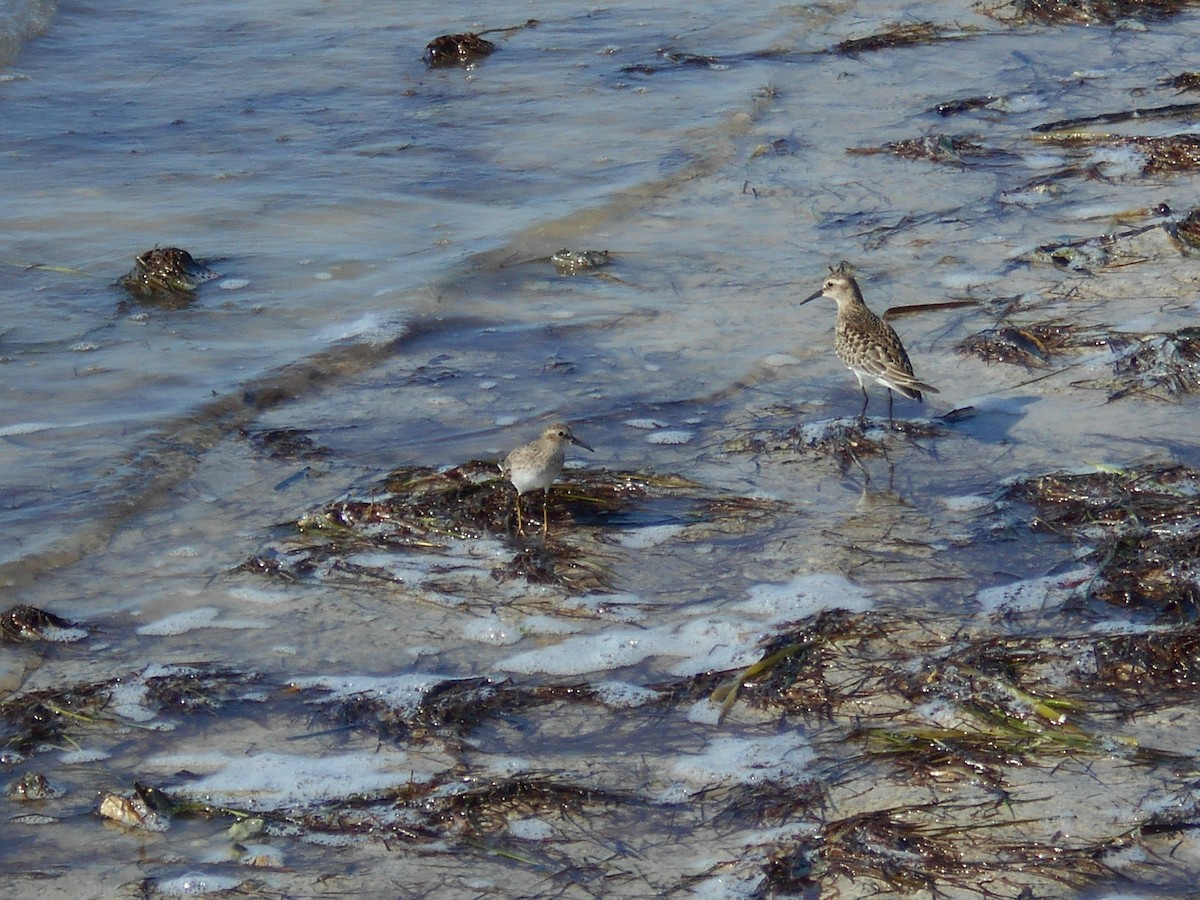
[(761, 651)]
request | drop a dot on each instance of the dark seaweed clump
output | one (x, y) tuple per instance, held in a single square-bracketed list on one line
[(197, 688), (166, 276), (1089, 12), (1163, 366), (1033, 345), (935, 148), (49, 718), (28, 623), (1144, 524), (420, 508), (911, 35), (464, 49), (1186, 231), (286, 444)]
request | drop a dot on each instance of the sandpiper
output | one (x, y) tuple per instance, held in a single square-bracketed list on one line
[(866, 343), (535, 465)]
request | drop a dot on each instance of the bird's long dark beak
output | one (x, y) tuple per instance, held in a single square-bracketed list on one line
[(577, 442), (813, 297)]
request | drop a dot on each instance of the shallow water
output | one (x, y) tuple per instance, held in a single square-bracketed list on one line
[(382, 231)]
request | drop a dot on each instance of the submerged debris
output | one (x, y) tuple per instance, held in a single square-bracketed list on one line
[(572, 262), (30, 787), (677, 59), (1186, 232), (132, 812), (1184, 81), (1168, 155), (1161, 366), (286, 443), (1184, 111), (795, 667), (940, 709), (934, 148), (1030, 345), (197, 688), (1076, 256), (166, 275), (1157, 668), (899, 36), (1085, 254), (486, 807), (965, 104), (464, 49), (844, 440), (452, 708)]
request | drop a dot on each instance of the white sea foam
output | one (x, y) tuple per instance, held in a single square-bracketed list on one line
[(532, 829), (783, 758), (491, 630), (196, 884), (671, 436), (715, 639), (965, 503), (544, 624), (644, 538), (200, 617), (803, 596), (403, 691), (275, 780), (25, 428), (624, 694), (1032, 593)]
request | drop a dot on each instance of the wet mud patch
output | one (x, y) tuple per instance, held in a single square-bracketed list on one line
[(471, 509), (1140, 526)]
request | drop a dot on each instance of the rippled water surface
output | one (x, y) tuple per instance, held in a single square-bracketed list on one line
[(382, 232)]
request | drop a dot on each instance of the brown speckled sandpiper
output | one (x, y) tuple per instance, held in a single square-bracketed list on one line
[(867, 344), (535, 465)]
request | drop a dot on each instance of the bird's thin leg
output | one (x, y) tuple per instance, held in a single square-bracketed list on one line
[(890, 422), (862, 416), (545, 519), (520, 518), (858, 462)]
